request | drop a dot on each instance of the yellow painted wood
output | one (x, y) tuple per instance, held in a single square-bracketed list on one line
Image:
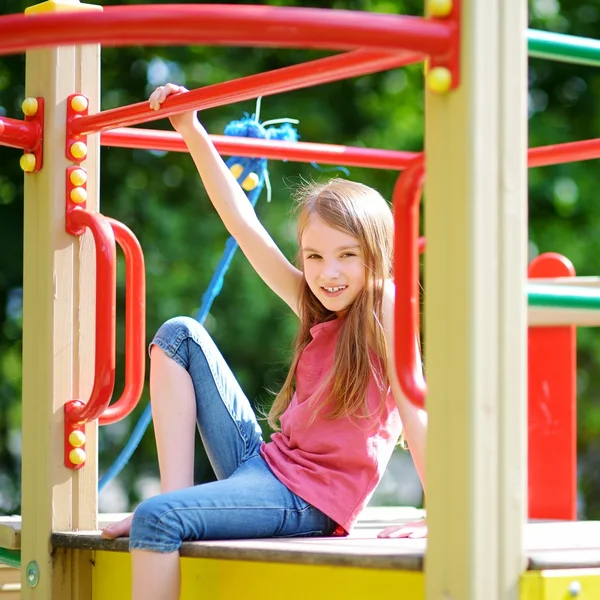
[(475, 312), (51, 6), (232, 579), (561, 584), (57, 332)]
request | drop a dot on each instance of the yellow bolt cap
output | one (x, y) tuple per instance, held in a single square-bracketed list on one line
[(78, 150), (439, 8), (78, 195), (77, 439), (439, 80), (78, 177), (29, 106), (27, 163), (77, 456), (236, 170), (79, 103), (250, 182)]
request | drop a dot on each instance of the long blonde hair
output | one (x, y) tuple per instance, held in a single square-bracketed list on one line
[(362, 212)]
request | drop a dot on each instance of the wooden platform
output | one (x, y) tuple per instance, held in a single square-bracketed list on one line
[(550, 545)]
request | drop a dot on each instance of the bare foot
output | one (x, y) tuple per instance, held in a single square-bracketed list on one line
[(119, 529)]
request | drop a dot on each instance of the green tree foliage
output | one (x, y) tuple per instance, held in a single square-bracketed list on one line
[(160, 198)]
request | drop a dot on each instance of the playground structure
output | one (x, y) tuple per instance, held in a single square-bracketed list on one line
[(480, 545)]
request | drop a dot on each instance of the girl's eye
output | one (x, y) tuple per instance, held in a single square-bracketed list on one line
[(348, 254), (313, 256)]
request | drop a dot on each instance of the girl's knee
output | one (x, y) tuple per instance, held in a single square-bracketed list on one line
[(178, 328), (154, 527), (171, 334)]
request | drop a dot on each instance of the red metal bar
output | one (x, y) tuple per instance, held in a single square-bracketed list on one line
[(132, 137), (543, 156), (406, 197), (106, 282), (152, 139), (316, 72), (19, 134), (552, 401), (217, 24), (135, 325)]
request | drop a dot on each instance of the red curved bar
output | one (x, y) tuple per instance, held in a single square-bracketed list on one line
[(106, 283), (556, 154), (135, 325), (316, 72), (276, 26), (407, 195), (152, 139), (25, 135)]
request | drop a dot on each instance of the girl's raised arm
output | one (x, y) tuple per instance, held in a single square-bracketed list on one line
[(232, 204)]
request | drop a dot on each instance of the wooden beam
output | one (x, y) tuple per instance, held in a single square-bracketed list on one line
[(475, 311), (57, 327)]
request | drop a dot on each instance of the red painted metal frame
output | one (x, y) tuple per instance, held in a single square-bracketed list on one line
[(450, 60), (37, 149), (28, 135), (323, 70), (552, 405), (77, 220), (135, 325), (218, 24), (406, 198), (152, 139), (543, 156), (18, 134)]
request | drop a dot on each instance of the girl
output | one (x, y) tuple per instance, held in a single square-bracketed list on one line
[(338, 415)]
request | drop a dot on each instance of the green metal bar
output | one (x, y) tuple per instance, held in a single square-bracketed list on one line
[(563, 48), (12, 558), (559, 296)]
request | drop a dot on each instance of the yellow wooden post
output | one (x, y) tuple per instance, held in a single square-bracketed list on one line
[(57, 329), (475, 315)]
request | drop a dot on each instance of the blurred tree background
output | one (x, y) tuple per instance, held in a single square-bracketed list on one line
[(159, 196)]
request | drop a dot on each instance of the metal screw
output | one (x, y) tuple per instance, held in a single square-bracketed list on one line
[(33, 573), (574, 589)]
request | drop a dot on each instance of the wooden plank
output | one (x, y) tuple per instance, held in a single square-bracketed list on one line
[(223, 580), (557, 317), (475, 311), (559, 585), (9, 576), (550, 545), (10, 592), (10, 532), (56, 346)]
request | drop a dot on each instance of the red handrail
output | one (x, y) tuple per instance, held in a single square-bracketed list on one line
[(406, 197), (284, 27), (311, 73), (77, 412), (135, 325), (555, 154), (332, 154)]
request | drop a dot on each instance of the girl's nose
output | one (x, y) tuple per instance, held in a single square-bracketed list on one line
[(331, 270)]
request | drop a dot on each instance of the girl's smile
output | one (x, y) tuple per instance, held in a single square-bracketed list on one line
[(333, 264)]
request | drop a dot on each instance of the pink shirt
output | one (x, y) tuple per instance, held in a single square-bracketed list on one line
[(333, 464)]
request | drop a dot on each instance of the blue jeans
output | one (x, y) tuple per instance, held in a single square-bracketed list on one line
[(247, 501)]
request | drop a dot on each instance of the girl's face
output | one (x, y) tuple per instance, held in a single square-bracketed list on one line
[(334, 265)]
